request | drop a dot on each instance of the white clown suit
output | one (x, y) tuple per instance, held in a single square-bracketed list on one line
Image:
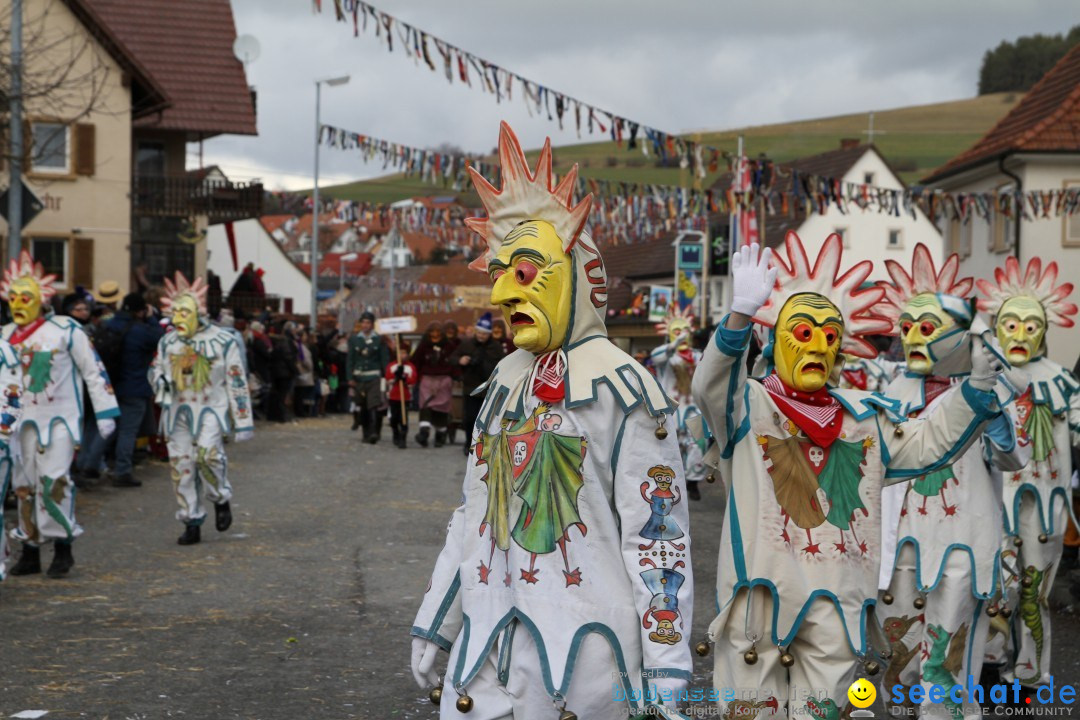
[(565, 582), (58, 361), (202, 388), (675, 367), (800, 551), (10, 412)]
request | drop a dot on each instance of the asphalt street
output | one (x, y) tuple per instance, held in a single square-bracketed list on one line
[(301, 610)]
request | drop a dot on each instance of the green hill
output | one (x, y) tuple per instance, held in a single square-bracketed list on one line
[(915, 140)]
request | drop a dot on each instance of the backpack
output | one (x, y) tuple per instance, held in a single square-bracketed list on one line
[(109, 344)]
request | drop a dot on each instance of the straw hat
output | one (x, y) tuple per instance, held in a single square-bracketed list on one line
[(108, 292)]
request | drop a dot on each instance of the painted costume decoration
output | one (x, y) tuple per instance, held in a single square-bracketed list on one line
[(10, 412), (805, 463), (57, 363), (569, 556), (675, 362), (945, 549), (199, 381), (1047, 419)]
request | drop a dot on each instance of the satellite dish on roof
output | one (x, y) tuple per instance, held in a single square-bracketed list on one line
[(246, 49)]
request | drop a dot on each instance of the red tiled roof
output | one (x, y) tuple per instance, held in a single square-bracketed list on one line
[(187, 47), (1046, 120), (273, 222), (420, 245)]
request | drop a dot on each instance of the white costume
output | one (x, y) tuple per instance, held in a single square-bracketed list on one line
[(10, 412), (566, 571), (675, 367), (1037, 499), (800, 550)]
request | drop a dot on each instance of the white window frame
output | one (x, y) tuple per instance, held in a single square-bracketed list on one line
[(900, 237), (868, 178), (36, 169), (1066, 239), (1002, 233), (64, 281)]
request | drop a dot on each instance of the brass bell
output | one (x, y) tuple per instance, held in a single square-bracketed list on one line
[(711, 478), (660, 433), (1018, 541), (1006, 612), (899, 432), (750, 656), (919, 602), (464, 704), (702, 648), (435, 696), (1027, 581), (992, 611), (873, 667), (567, 715), (1043, 538), (787, 659), (887, 598)]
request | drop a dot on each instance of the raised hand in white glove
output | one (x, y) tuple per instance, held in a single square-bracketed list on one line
[(666, 690), (752, 279), (244, 435), (424, 653), (106, 427), (986, 364)]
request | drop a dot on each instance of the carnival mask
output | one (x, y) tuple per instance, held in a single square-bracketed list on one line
[(24, 297), (679, 327), (922, 321), (1021, 329), (531, 276), (808, 333), (185, 315)]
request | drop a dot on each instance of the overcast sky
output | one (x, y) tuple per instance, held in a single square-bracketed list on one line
[(678, 65)]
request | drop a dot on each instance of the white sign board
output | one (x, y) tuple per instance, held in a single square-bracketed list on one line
[(395, 325)]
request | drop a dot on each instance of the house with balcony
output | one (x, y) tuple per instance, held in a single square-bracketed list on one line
[(107, 156)]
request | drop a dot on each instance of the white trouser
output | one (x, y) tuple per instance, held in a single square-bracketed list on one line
[(44, 489), (199, 466), (510, 683), (823, 670), (5, 481), (1025, 646), (941, 644)]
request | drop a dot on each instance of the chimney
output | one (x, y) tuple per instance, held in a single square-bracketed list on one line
[(849, 143)]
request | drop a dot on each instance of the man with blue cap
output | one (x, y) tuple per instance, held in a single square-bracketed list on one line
[(477, 355)]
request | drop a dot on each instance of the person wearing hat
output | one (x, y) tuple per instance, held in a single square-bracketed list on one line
[(367, 361), (108, 294), (477, 355)]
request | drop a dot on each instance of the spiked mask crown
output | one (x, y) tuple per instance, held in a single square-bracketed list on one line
[(924, 278), (25, 266), (1036, 283)]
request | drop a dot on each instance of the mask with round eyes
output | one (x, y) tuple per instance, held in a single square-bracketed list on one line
[(922, 321), (531, 282), (24, 298), (677, 328), (1021, 329), (185, 315), (808, 331)]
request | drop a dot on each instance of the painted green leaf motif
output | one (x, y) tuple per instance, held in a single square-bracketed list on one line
[(40, 370), (1039, 426), (549, 486), (495, 452), (931, 484), (840, 479)]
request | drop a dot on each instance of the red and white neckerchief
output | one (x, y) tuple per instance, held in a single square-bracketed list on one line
[(933, 386), (22, 334), (817, 414), (546, 379), (857, 377)]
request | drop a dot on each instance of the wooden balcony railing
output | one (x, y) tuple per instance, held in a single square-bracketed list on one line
[(184, 196)]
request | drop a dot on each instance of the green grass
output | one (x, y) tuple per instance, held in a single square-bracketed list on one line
[(914, 140)]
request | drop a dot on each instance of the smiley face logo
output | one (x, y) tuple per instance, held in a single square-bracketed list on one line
[(862, 693)]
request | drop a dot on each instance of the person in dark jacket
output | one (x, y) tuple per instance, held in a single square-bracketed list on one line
[(477, 357), (283, 372), (133, 393), (367, 361), (432, 361)]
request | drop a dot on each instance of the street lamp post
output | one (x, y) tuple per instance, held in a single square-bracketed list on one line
[(347, 257), (332, 82)]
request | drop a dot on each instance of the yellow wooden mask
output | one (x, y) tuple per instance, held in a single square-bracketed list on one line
[(24, 297), (532, 279), (922, 321), (1021, 329), (185, 315), (808, 331)]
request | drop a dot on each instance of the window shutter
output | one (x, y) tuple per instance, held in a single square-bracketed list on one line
[(82, 261), (84, 149)]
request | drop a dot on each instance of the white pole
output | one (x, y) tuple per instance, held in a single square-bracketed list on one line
[(314, 256), (14, 217), (341, 292), (733, 220)]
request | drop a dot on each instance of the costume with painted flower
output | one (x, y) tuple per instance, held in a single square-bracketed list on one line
[(1047, 418), (805, 464), (941, 544), (58, 361), (199, 381), (545, 591)]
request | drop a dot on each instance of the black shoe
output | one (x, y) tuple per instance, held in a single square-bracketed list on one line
[(451, 435), (465, 449), (29, 563), (222, 516), (126, 480), (440, 438), (692, 490), (90, 474), (355, 421), (62, 560), (192, 534), (422, 436)]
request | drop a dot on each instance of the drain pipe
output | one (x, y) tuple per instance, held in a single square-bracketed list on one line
[(1020, 213)]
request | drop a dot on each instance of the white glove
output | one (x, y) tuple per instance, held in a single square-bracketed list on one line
[(986, 367), (106, 427), (244, 435), (752, 279), (424, 653), (666, 690)]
